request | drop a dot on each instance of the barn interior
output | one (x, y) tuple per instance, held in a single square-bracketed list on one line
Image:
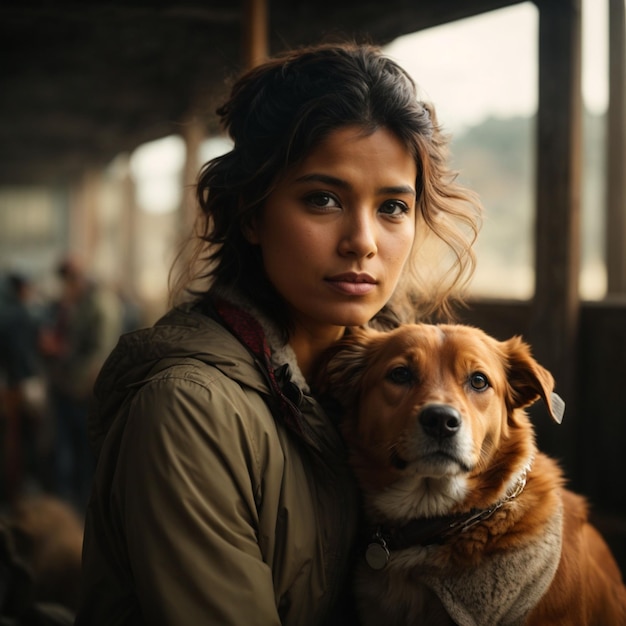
[(85, 82)]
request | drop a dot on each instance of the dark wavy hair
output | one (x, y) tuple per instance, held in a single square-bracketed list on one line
[(276, 114)]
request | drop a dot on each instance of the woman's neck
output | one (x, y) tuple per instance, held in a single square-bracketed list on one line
[(308, 346)]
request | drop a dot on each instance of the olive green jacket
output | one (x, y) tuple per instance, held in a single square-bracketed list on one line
[(206, 509)]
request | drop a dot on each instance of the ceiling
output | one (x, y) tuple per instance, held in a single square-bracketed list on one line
[(81, 82)]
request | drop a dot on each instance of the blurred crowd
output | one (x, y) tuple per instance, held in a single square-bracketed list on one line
[(50, 354), (51, 350)]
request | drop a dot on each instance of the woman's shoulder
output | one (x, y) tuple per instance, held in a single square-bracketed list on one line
[(190, 395), (185, 362), (183, 340)]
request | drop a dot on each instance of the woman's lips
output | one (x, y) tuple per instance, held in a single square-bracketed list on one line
[(352, 284)]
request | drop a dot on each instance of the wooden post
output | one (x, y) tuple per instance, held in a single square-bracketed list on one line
[(83, 216), (194, 134), (129, 272), (616, 152), (555, 308), (255, 40)]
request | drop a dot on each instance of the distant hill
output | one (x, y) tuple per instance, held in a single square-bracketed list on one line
[(496, 158)]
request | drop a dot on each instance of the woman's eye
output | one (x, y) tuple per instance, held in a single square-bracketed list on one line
[(394, 208), (322, 200), (478, 381), (400, 375)]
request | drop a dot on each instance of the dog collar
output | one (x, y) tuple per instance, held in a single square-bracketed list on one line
[(433, 530)]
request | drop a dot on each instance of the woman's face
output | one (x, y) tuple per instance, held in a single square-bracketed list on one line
[(338, 229)]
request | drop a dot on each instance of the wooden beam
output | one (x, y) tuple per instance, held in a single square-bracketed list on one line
[(193, 133), (255, 38), (422, 15), (616, 152), (83, 216), (555, 308), (128, 270)]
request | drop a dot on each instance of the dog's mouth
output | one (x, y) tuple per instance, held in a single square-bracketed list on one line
[(439, 461), (396, 460), (443, 459)]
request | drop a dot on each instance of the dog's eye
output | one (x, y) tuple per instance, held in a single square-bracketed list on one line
[(400, 375), (478, 381)]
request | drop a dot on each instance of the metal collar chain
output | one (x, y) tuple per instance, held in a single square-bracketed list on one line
[(430, 531)]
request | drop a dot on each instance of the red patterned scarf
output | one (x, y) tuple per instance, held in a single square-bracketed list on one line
[(250, 333)]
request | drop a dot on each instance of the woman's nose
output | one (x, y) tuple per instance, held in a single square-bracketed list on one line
[(358, 237)]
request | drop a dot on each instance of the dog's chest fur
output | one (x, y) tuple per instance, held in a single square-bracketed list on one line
[(428, 585)]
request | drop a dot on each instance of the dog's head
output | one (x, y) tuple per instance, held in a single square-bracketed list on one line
[(433, 402)]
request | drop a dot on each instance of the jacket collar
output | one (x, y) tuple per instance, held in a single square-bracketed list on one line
[(282, 355), (250, 333)]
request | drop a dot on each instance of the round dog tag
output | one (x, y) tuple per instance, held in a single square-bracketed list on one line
[(377, 556)]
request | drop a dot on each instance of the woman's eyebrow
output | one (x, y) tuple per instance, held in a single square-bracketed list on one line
[(326, 179), (342, 184), (398, 190)]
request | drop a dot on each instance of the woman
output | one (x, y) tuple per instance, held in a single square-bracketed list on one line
[(222, 495)]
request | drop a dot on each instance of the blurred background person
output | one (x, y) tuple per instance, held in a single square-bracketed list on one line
[(84, 325), (22, 389)]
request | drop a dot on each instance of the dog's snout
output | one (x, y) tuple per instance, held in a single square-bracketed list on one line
[(440, 420)]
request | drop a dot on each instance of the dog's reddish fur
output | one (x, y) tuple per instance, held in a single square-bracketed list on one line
[(388, 447)]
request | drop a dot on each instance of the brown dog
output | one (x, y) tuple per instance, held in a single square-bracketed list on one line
[(469, 523)]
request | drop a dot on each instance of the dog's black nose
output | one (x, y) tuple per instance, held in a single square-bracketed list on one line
[(440, 420)]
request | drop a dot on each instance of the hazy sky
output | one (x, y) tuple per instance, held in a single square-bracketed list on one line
[(487, 65)]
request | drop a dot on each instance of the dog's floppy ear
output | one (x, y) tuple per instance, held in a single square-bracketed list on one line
[(342, 365), (529, 381)]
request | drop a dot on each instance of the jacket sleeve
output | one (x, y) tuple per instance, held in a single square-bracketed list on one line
[(187, 487)]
